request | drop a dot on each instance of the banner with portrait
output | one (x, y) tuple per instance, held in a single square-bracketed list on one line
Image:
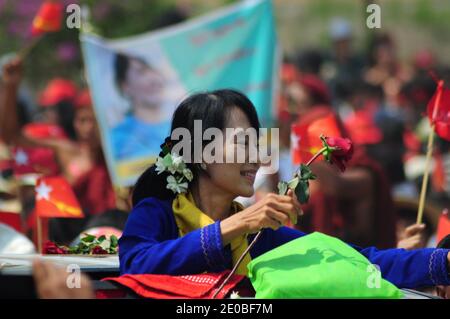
[(137, 82)]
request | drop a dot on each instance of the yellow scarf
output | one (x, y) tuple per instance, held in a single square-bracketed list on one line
[(188, 218)]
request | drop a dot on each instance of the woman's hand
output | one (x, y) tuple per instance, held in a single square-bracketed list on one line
[(272, 211), (413, 237), (12, 72)]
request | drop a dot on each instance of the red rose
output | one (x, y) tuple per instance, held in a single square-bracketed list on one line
[(97, 250), (51, 248), (343, 151)]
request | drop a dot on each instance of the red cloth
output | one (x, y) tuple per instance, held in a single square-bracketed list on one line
[(94, 190), (327, 214), (362, 128), (443, 228), (315, 87), (11, 219), (201, 286), (56, 91)]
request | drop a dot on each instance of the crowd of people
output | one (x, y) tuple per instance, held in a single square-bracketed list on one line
[(381, 102), (378, 99)]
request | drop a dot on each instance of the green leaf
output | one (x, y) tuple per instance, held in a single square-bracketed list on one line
[(101, 238), (114, 241), (292, 184), (167, 160), (88, 238), (74, 250), (282, 188), (306, 173), (302, 191)]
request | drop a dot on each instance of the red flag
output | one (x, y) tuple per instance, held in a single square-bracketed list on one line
[(22, 162), (30, 160), (55, 198), (438, 110), (34, 160), (305, 138), (48, 18), (443, 228)]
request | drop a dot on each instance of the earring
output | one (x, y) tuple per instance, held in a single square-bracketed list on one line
[(203, 166)]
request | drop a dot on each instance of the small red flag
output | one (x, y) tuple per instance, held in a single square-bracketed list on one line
[(443, 228), (305, 138), (55, 198), (22, 162), (48, 18), (438, 111), (34, 160), (41, 160)]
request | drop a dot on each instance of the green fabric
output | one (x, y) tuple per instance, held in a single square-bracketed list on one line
[(317, 266)]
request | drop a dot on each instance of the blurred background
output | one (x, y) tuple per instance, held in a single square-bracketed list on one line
[(414, 24)]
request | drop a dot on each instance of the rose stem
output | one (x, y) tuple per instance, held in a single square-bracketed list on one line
[(256, 237)]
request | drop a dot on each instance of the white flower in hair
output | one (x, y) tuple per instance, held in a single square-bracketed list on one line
[(175, 186), (160, 166), (178, 164), (188, 174)]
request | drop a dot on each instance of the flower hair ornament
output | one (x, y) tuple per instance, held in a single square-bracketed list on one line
[(172, 163)]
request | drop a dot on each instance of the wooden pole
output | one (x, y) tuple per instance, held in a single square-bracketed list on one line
[(39, 233), (23, 53), (423, 190)]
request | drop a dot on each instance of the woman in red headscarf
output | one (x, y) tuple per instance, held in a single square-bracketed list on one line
[(355, 205)]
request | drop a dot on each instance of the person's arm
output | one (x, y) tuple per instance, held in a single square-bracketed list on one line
[(9, 124), (10, 130), (406, 269), (150, 244), (411, 269), (413, 237)]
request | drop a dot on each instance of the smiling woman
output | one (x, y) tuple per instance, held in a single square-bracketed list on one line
[(201, 229)]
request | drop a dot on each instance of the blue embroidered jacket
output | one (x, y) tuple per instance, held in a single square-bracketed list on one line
[(151, 244)]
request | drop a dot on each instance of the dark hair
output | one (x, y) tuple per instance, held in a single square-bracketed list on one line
[(444, 243), (121, 65), (66, 115), (212, 108), (309, 61)]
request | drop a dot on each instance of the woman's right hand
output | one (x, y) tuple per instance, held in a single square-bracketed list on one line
[(12, 72), (272, 211), (413, 237)]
